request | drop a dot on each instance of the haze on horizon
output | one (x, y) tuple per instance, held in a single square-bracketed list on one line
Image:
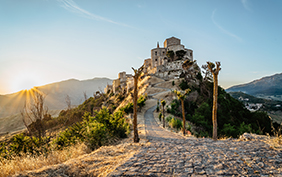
[(49, 41)]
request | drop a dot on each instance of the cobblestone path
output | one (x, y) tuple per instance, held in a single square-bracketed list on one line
[(169, 154)]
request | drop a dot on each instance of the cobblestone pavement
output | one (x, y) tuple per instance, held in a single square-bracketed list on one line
[(169, 154)]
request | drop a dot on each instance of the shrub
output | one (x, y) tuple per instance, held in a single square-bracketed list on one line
[(245, 128), (21, 144), (141, 102), (168, 118), (120, 127), (175, 123), (94, 131), (183, 85), (160, 116), (69, 136), (95, 134), (127, 108)]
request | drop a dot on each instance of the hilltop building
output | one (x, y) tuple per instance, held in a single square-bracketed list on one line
[(122, 82), (159, 55), (165, 62)]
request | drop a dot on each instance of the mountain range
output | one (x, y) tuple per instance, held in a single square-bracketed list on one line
[(269, 87), (55, 100)]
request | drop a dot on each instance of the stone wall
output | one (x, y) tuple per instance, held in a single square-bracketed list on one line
[(171, 41), (116, 84), (170, 69), (122, 76), (157, 55)]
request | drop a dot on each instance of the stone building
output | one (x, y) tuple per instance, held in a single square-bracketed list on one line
[(147, 65), (159, 64), (159, 57), (107, 88), (169, 67), (116, 85), (121, 83)]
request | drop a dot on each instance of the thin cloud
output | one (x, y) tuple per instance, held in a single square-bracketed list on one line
[(71, 6), (246, 5), (222, 29)]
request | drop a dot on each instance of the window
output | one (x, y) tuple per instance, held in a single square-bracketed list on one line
[(156, 53), (156, 59), (163, 53), (191, 54)]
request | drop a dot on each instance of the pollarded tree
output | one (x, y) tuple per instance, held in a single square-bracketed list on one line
[(207, 73), (137, 73), (181, 96), (215, 71), (163, 103)]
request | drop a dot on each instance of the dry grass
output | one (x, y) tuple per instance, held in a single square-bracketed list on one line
[(74, 161), (23, 163), (274, 142)]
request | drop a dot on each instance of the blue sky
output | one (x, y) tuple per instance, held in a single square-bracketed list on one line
[(45, 41)]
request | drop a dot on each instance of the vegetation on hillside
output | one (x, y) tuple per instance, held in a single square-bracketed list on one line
[(90, 123), (233, 118)]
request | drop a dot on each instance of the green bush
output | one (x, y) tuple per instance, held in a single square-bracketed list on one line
[(174, 106), (245, 128), (160, 116), (127, 108), (183, 85), (94, 131), (120, 127), (141, 102), (21, 144), (168, 118), (95, 134), (175, 123), (69, 136)]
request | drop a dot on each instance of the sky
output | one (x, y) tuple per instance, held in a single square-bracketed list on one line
[(46, 41)]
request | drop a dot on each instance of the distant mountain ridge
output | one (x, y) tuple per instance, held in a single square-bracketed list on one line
[(55, 94), (266, 87)]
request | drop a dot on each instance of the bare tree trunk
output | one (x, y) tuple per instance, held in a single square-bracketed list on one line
[(183, 116), (137, 73), (136, 137), (215, 72), (214, 108), (163, 117)]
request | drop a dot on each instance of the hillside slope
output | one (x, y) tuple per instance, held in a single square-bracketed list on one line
[(266, 87), (56, 93)]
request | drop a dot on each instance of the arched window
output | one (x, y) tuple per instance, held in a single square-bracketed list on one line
[(156, 53)]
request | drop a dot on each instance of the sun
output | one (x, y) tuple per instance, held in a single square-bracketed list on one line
[(24, 81)]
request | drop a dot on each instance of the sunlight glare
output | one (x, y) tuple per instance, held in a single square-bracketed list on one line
[(25, 81)]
